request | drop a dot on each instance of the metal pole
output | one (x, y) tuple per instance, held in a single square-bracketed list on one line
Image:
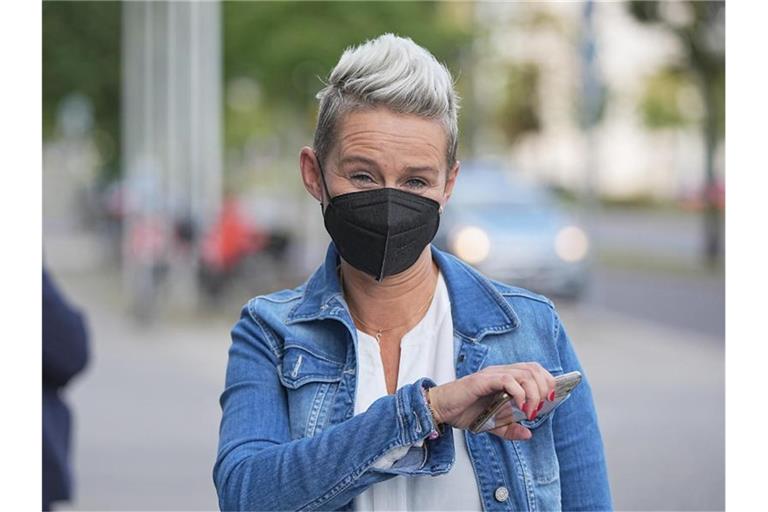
[(172, 130)]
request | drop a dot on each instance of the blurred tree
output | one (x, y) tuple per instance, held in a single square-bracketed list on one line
[(700, 28), (287, 48), (275, 55), (519, 114), (661, 102), (81, 54)]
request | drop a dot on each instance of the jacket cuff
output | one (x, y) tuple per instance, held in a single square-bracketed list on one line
[(416, 424)]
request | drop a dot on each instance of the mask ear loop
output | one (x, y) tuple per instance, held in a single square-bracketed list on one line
[(325, 185)]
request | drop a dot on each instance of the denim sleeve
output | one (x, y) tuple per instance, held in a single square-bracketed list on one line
[(259, 467), (579, 445)]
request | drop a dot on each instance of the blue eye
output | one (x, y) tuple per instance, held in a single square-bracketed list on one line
[(416, 183)]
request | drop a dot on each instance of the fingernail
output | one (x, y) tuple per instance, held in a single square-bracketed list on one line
[(541, 404), (525, 408), (551, 396)]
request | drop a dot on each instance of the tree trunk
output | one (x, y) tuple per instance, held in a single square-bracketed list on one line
[(712, 225)]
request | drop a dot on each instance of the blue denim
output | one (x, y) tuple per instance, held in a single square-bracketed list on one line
[(289, 439)]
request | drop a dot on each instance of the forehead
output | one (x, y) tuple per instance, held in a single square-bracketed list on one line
[(392, 138)]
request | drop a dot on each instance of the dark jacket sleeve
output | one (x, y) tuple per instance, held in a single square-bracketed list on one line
[(65, 337)]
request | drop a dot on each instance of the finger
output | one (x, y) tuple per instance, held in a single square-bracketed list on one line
[(532, 397), (551, 383), (540, 376), (519, 383), (539, 371), (491, 383), (513, 388)]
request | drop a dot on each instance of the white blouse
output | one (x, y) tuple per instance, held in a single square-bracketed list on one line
[(425, 351)]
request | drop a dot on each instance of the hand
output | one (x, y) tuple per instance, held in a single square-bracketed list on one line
[(459, 402)]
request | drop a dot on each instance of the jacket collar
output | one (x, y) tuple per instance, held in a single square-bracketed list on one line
[(477, 307)]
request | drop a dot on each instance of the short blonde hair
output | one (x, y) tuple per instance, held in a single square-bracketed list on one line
[(392, 72)]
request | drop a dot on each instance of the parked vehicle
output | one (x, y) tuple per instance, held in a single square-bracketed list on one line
[(515, 231)]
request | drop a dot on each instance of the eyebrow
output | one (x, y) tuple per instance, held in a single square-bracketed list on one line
[(365, 160)]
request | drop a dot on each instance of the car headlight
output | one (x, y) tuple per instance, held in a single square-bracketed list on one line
[(471, 244), (571, 244)]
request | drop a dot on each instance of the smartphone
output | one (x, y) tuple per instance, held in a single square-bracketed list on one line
[(504, 411)]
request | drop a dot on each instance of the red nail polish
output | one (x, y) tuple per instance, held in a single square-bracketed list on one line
[(541, 404), (525, 408), (551, 396)]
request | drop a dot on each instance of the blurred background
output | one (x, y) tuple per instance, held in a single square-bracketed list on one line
[(591, 136)]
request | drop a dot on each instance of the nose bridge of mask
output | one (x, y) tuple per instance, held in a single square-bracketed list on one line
[(391, 212)]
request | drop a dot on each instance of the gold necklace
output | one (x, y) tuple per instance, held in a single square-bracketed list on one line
[(380, 331)]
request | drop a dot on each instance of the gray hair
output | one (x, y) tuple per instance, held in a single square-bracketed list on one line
[(392, 72)]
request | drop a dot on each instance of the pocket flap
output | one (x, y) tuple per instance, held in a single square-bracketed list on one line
[(301, 365)]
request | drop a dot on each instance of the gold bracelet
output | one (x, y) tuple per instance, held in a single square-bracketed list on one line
[(438, 426)]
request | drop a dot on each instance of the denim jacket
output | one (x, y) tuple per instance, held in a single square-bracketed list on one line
[(289, 440)]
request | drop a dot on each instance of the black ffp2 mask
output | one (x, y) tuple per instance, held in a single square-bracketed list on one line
[(382, 231)]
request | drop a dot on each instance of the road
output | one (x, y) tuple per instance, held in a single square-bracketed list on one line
[(649, 266), (695, 303)]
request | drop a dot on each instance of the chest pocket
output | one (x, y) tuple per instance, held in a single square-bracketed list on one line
[(542, 418), (311, 379), (539, 452)]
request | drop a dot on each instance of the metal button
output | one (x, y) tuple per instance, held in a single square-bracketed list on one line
[(501, 494)]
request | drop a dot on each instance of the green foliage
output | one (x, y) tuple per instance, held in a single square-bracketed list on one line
[(660, 104), (645, 11), (81, 53), (519, 113), (287, 48), (700, 28), (701, 33)]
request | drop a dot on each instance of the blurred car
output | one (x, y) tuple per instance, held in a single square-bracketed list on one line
[(513, 230)]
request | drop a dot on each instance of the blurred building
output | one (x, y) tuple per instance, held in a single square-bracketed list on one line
[(630, 160)]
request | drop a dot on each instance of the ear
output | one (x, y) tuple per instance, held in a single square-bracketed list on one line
[(450, 182), (310, 173)]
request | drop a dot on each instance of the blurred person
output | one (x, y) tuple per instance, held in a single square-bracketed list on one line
[(65, 354), (348, 391), (231, 239)]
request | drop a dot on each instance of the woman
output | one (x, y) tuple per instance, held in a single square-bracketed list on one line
[(355, 390)]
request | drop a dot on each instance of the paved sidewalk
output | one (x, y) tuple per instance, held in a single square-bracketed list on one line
[(660, 394)]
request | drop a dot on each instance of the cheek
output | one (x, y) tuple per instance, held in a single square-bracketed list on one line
[(436, 194), (438, 191)]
